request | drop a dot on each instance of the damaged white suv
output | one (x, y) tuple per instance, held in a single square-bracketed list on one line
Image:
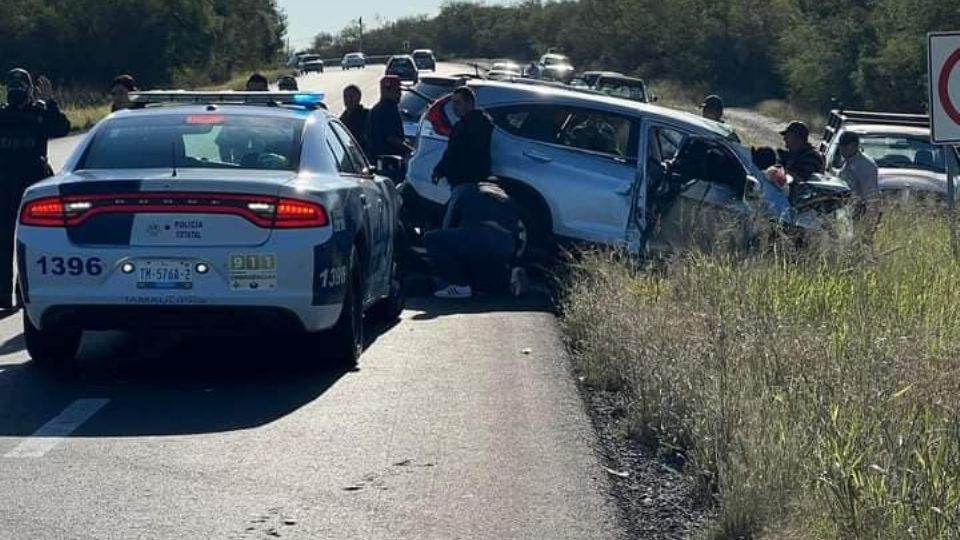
[(611, 171)]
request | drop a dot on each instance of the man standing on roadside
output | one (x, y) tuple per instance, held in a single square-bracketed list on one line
[(466, 160), (801, 160), (26, 124), (384, 133), (712, 108), (355, 115), (860, 173)]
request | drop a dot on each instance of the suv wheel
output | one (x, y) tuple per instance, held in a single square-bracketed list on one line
[(52, 347)]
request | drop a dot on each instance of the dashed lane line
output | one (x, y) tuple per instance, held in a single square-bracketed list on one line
[(56, 430)]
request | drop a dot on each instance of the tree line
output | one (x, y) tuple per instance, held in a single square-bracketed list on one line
[(87, 42), (865, 53)]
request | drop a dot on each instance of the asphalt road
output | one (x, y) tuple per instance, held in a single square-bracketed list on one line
[(462, 422)]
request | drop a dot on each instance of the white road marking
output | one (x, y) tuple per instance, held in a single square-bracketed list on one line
[(56, 430)]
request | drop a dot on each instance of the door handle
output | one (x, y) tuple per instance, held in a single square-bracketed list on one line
[(363, 200), (624, 189), (537, 156)]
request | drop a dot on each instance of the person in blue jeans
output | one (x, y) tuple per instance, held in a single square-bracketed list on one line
[(476, 249)]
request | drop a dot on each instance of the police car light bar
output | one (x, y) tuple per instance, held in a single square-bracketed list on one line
[(303, 99)]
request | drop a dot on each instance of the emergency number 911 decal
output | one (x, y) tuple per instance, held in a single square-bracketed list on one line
[(253, 272)]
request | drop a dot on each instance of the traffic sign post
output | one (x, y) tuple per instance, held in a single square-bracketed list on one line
[(943, 68)]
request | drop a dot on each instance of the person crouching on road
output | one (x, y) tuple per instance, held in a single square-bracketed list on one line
[(478, 246), (355, 115), (26, 124), (120, 90), (860, 173), (384, 133), (466, 160)]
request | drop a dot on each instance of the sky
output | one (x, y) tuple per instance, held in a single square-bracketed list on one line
[(307, 18)]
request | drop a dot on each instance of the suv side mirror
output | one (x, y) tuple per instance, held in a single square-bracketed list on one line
[(392, 167)]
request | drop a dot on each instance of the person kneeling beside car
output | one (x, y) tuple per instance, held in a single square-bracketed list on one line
[(477, 246)]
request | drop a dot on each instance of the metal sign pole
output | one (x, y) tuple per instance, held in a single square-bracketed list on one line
[(952, 201)]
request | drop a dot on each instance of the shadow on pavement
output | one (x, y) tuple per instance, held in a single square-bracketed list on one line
[(170, 385), (431, 308)]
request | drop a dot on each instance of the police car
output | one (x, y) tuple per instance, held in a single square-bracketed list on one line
[(236, 211)]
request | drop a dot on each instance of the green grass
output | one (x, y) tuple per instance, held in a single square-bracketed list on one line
[(814, 395)]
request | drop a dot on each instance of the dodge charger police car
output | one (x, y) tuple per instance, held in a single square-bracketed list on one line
[(211, 211)]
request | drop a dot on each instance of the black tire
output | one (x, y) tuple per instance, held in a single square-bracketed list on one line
[(391, 308), (535, 235), (344, 342), (54, 348)]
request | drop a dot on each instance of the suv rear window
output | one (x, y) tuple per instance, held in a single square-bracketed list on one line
[(412, 105), (206, 141)]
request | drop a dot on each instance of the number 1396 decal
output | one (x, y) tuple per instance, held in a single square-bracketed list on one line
[(333, 277), (73, 266)]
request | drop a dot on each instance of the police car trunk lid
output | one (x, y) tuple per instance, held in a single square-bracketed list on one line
[(185, 208)]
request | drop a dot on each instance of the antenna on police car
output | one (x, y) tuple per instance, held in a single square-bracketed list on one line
[(173, 157)]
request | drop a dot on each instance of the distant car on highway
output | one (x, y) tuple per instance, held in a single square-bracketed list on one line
[(910, 166), (501, 75), (589, 79), (425, 59), (404, 67), (418, 98), (234, 212), (624, 87), (508, 66), (353, 60), (310, 63), (556, 67), (591, 168)]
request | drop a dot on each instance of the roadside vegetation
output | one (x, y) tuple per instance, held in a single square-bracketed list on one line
[(864, 54), (82, 44), (812, 395)]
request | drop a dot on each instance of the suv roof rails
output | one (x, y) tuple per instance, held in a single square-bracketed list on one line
[(306, 100), (839, 118)]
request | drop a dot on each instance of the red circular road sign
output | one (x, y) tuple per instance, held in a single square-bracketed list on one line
[(943, 86)]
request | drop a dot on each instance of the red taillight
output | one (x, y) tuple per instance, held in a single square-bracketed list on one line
[(46, 212), (263, 211), (438, 117), (292, 214)]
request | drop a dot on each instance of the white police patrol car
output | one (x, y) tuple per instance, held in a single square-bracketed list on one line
[(211, 211)]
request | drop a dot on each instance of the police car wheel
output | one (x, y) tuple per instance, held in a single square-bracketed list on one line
[(344, 342), (52, 347)]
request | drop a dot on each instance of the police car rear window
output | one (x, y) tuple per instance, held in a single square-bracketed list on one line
[(205, 141)]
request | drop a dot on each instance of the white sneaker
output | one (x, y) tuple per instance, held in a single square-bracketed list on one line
[(518, 281), (451, 292)]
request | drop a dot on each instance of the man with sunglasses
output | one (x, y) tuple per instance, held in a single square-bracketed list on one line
[(27, 121)]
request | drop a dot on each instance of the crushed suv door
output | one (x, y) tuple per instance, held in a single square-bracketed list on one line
[(702, 199)]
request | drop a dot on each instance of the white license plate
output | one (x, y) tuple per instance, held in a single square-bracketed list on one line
[(164, 274)]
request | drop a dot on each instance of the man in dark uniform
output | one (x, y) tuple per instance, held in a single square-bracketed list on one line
[(355, 115), (385, 126), (801, 160), (26, 124)]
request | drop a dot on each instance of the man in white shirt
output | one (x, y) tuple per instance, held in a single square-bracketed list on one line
[(860, 173)]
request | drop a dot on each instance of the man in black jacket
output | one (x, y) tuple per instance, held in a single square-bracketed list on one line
[(355, 114), (466, 160), (26, 124)]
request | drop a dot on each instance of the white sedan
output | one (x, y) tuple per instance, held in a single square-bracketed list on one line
[(239, 212)]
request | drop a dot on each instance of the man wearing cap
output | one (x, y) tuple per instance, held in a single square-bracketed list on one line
[(26, 124), (712, 108), (860, 173), (385, 125), (801, 160)]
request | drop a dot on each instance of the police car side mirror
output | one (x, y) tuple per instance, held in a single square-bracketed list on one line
[(392, 167)]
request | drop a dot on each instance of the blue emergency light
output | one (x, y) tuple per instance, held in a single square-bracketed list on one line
[(310, 100)]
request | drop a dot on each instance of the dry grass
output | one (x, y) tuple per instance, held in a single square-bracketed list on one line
[(815, 395)]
